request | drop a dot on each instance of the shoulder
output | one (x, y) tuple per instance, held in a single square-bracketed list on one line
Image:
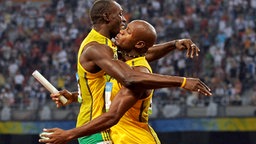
[(94, 48), (93, 45), (97, 46)]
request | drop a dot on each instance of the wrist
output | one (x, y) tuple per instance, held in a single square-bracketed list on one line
[(174, 45), (75, 96), (70, 135)]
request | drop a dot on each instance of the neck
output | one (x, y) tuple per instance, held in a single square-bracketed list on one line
[(128, 56), (100, 29)]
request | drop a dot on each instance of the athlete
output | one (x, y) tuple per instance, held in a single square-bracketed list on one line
[(97, 56), (129, 110)]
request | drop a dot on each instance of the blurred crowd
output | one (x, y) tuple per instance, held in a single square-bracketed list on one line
[(45, 36)]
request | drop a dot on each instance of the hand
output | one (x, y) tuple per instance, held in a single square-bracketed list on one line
[(68, 95), (196, 85), (57, 136), (192, 49)]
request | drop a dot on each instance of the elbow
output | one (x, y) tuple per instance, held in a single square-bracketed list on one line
[(130, 81)]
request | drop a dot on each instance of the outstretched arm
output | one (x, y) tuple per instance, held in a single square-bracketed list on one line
[(160, 50), (132, 79), (121, 103)]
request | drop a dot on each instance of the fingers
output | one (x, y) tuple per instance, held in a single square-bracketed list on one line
[(205, 86), (50, 130), (197, 50), (56, 98), (54, 95), (58, 104), (192, 48), (46, 141), (204, 89), (188, 53), (45, 136), (196, 85), (187, 43)]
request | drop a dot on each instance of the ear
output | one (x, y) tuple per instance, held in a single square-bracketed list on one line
[(140, 44), (106, 17)]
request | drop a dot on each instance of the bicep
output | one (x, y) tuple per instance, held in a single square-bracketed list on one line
[(103, 58)]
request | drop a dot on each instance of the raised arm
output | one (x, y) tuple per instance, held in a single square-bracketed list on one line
[(160, 50)]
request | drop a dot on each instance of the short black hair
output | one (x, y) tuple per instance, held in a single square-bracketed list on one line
[(98, 9)]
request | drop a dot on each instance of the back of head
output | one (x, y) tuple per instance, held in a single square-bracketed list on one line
[(98, 9)]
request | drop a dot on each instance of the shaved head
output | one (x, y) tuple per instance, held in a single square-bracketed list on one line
[(138, 36), (144, 31)]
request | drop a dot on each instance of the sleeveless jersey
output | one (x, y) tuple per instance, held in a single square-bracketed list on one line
[(133, 127), (91, 87)]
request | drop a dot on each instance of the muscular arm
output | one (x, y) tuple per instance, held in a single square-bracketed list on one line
[(124, 100), (121, 103), (160, 50), (103, 58), (129, 78)]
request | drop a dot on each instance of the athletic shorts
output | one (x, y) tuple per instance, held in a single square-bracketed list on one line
[(94, 139)]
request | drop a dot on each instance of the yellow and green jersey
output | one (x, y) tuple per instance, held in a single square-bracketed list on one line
[(133, 127), (91, 90)]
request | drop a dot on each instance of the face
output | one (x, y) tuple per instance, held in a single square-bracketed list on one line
[(117, 19), (138, 34), (125, 39)]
